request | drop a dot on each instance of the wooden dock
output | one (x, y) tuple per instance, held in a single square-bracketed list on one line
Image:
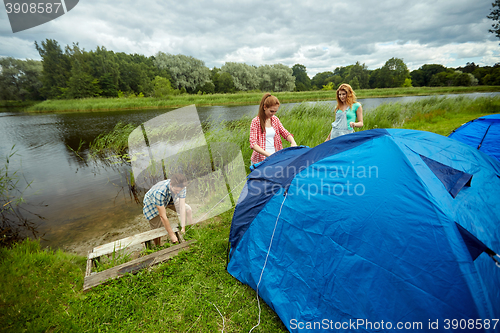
[(93, 279)]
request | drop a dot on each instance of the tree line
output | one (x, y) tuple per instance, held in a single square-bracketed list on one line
[(77, 73), (395, 74)]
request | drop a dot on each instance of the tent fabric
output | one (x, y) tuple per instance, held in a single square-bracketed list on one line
[(364, 230), (451, 178), (482, 133)]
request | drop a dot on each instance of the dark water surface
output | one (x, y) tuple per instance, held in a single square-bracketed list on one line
[(78, 197)]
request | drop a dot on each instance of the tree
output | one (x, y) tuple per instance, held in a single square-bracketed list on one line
[(381, 78), (244, 76), (398, 72), (81, 82), (422, 76), (319, 80), (207, 88), (106, 69), (302, 80), (407, 83), (360, 72), (276, 78), (186, 72), (223, 83), (495, 16), (492, 78), (20, 79), (162, 87), (56, 68), (354, 83)]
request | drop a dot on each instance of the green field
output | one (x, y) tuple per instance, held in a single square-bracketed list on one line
[(42, 289), (241, 98)]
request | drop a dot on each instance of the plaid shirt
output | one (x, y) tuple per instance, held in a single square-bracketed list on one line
[(159, 195), (259, 138)]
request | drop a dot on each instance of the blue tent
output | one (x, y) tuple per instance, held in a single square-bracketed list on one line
[(371, 229), (482, 133)]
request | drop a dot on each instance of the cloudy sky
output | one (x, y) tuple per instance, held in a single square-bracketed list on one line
[(320, 35)]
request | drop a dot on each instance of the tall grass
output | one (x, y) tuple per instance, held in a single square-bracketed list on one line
[(240, 98), (114, 142), (310, 123), (15, 223), (448, 112)]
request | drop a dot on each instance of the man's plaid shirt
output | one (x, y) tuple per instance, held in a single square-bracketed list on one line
[(159, 195)]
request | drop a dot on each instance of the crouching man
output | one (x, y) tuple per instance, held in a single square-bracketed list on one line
[(157, 199)]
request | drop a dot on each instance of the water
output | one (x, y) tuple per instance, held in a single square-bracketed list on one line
[(80, 199)]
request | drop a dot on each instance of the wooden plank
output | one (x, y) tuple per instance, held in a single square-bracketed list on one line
[(134, 265), (88, 270), (128, 241)]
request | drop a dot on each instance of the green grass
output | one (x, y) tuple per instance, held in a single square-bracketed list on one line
[(241, 98), (38, 287), (41, 292), (42, 289), (114, 259), (114, 142), (436, 114)]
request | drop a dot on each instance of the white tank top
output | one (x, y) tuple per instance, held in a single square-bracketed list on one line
[(270, 133)]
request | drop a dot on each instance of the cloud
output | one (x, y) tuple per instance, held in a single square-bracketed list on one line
[(320, 35)]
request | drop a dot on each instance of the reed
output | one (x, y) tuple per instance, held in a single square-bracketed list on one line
[(114, 142), (449, 113), (310, 122), (240, 98), (15, 215)]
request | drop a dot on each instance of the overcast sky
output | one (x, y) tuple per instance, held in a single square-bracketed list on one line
[(320, 35)]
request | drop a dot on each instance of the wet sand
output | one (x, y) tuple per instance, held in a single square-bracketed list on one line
[(135, 225)]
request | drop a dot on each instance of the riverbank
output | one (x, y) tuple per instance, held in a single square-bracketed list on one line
[(242, 98)]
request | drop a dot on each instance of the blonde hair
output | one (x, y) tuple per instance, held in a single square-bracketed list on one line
[(350, 98), (267, 101)]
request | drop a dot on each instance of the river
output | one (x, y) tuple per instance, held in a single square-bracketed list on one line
[(81, 199)]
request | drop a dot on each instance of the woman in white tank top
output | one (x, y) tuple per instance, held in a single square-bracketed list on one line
[(266, 130)]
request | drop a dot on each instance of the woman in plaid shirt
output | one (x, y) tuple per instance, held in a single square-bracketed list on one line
[(266, 129)]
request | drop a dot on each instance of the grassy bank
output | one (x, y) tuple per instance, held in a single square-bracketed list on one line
[(42, 289), (8, 105), (242, 98)]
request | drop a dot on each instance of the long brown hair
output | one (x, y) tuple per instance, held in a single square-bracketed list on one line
[(350, 98), (267, 101)]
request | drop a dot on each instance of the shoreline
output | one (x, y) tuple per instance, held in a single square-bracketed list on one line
[(238, 99), (134, 225)]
